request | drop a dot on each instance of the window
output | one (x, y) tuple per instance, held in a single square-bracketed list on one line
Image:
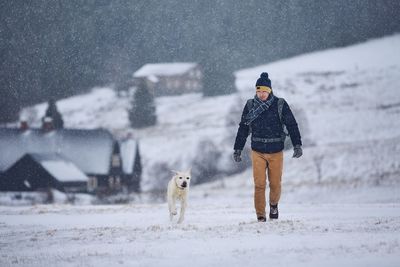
[(116, 161), (117, 182), (111, 182), (92, 183)]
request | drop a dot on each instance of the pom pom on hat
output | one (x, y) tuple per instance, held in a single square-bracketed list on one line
[(264, 83)]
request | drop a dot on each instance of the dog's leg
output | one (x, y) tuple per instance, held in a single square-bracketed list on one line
[(183, 208), (171, 207)]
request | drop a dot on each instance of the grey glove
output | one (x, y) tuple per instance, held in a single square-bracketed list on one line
[(236, 155), (297, 151)]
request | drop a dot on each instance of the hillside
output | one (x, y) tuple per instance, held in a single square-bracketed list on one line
[(349, 95), (346, 214)]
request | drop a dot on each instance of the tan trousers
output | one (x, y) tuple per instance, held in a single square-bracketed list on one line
[(261, 163)]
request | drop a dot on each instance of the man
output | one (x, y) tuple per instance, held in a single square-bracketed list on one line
[(264, 116)]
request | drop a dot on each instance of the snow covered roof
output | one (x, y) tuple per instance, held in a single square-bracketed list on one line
[(89, 150), (128, 154), (60, 168), (164, 69)]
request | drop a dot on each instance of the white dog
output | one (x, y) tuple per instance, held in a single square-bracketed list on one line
[(178, 188)]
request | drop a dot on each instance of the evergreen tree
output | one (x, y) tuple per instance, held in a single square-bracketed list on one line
[(137, 171), (53, 113), (70, 46), (143, 111)]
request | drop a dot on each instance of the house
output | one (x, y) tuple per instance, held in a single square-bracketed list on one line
[(35, 172), (69, 160), (170, 78)]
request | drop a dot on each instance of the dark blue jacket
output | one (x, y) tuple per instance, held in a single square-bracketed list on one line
[(268, 125)]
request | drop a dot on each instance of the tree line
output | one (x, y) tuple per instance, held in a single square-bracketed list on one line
[(55, 49)]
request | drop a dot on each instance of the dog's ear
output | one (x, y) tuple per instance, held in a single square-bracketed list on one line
[(174, 172), (189, 170)]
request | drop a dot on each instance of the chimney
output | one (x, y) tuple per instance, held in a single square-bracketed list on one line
[(47, 125), (23, 125)]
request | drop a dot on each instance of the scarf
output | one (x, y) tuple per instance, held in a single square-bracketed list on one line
[(258, 108)]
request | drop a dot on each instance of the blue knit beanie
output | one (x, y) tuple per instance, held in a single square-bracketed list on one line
[(264, 83)]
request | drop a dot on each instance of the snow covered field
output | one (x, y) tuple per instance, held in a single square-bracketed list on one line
[(218, 231), (340, 204)]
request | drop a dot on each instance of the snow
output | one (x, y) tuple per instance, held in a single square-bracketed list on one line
[(347, 214), (349, 96), (164, 69), (128, 153), (92, 155), (369, 56), (99, 111), (64, 171), (222, 233)]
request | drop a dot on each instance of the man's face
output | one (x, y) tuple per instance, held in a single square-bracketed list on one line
[(262, 95)]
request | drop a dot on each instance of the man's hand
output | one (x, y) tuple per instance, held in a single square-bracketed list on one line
[(236, 156), (297, 151)]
